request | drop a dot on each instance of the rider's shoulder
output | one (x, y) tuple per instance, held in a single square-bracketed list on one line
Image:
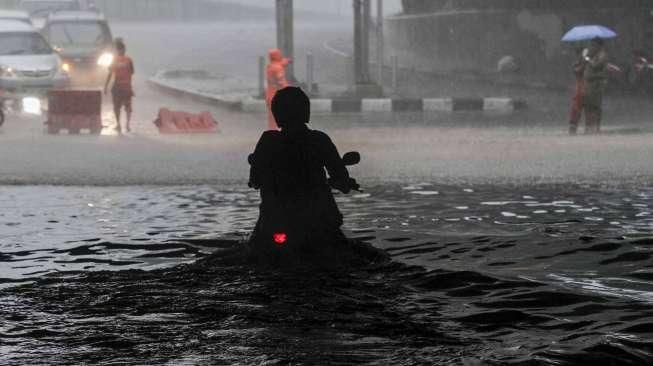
[(271, 134), (269, 138), (319, 135)]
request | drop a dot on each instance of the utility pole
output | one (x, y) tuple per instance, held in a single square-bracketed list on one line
[(364, 87), (379, 41), (367, 20), (358, 47), (362, 41), (285, 33)]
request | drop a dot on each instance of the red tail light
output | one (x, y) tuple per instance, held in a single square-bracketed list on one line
[(280, 238)]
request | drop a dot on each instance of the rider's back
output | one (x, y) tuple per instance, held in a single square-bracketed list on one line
[(290, 170)]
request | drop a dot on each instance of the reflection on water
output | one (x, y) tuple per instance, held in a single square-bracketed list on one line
[(505, 274)]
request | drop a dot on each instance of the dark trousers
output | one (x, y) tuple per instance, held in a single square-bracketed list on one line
[(593, 115)]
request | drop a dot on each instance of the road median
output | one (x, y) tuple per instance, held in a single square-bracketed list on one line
[(232, 93)]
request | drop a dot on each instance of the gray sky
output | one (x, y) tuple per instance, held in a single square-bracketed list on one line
[(332, 6)]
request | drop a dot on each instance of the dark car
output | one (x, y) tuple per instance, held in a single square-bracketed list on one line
[(40, 9), (84, 41)]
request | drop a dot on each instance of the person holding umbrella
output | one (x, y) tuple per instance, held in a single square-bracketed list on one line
[(595, 79), (592, 76)]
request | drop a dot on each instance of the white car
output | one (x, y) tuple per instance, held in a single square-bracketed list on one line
[(28, 65)]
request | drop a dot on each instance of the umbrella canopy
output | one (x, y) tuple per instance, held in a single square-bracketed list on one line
[(588, 32)]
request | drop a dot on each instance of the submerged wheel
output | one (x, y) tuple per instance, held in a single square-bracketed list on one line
[(2, 117)]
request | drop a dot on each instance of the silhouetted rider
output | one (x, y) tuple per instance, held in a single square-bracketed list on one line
[(288, 166)]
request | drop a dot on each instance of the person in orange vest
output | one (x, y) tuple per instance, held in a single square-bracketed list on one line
[(276, 79), (122, 71)]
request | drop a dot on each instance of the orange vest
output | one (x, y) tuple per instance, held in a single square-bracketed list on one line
[(123, 69), (276, 75)]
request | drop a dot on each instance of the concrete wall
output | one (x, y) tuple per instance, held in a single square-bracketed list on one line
[(471, 41)]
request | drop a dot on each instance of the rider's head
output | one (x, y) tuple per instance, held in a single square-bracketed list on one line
[(120, 46), (291, 108)]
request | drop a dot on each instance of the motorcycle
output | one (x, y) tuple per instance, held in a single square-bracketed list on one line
[(282, 232)]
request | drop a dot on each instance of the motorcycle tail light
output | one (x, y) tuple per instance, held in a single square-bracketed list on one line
[(280, 238)]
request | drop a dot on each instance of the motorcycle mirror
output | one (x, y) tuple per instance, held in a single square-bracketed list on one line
[(351, 158)]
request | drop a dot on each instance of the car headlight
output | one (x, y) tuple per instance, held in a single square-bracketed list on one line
[(105, 60), (7, 72), (32, 105), (65, 67)]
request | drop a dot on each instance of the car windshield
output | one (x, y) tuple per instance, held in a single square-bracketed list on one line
[(43, 8), (64, 34), (23, 44)]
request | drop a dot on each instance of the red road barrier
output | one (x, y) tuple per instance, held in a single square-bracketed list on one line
[(74, 110), (181, 122)]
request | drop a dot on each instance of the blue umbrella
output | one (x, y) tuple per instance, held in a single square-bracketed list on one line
[(587, 32)]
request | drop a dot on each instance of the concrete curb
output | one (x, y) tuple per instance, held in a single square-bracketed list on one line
[(249, 104), (402, 105)]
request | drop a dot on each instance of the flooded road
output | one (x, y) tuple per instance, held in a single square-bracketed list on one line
[(510, 243), (498, 274)]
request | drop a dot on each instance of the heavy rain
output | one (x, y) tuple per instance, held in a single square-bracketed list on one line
[(499, 212)]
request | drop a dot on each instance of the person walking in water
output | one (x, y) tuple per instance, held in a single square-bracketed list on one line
[(595, 78), (298, 212), (122, 71), (276, 80)]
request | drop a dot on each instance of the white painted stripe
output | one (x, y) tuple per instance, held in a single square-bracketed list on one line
[(438, 104), (498, 104), (254, 105), (376, 105), (321, 105)]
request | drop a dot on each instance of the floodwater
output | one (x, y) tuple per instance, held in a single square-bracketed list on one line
[(480, 274)]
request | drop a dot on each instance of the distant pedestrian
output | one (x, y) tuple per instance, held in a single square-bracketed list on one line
[(276, 80), (595, 78), (122, 71), (577, 101)]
